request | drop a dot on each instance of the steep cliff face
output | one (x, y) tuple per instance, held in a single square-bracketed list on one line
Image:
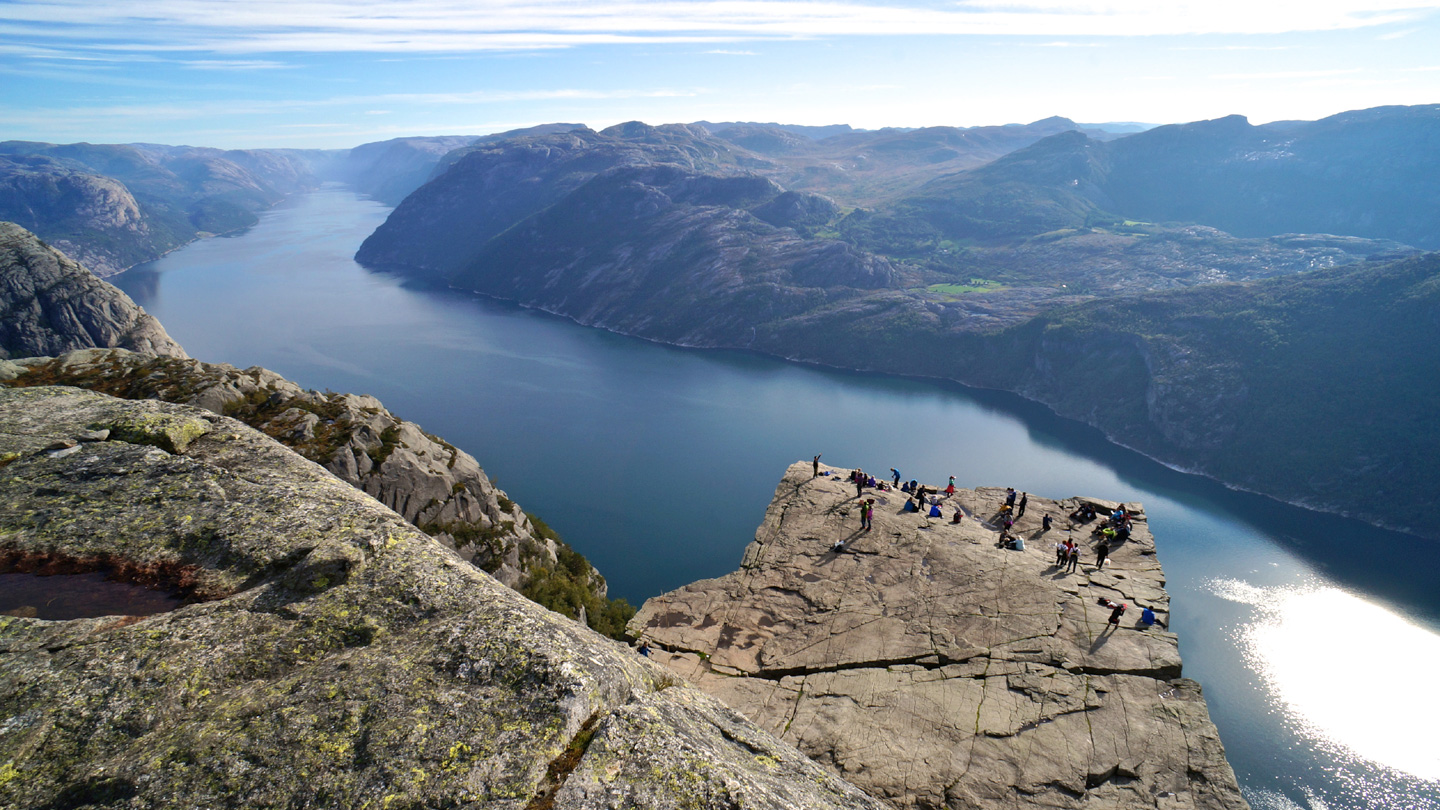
[(49, 305), (443, 226), (339, 656), (435, 486), (935, 670), (89, 216), (666, 253)]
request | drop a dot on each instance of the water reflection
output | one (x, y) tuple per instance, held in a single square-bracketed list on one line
[(1351, 677)]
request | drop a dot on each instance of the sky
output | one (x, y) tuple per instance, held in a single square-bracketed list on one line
[(338, 73)]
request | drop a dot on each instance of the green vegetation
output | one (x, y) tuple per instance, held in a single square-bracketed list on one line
[(565, 586), (974, 285)]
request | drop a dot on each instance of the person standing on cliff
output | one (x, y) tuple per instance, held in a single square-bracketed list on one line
[(1045, 523), (1010, 496), (1074, 557), (1101, 552), (1024, 499), (867, 513), (859, 483), (815, 466), (896, 473)]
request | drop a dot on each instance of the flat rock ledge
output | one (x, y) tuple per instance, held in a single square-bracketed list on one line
[(936, 670), (340, 658)]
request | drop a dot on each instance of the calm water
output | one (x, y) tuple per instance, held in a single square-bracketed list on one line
[(1316, 638)]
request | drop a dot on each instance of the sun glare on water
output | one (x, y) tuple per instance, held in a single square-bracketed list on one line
[(1338, 666)]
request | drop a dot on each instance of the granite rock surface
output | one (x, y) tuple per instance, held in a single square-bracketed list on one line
[(936, 670), (430, 482), (338, 657), (49, 304)]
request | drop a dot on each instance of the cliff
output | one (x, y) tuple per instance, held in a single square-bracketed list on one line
[(935, 670), (49, 304), (336, 655), (435, 486)]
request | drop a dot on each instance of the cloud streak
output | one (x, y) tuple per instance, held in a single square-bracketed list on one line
[(419, 26)]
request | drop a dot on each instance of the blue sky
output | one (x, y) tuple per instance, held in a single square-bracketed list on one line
[(336, 73)]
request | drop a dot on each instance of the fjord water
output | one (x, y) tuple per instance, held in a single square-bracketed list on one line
[(1316, 638)]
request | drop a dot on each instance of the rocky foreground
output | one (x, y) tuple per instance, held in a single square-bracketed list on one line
[(338, 657), (935, 670)]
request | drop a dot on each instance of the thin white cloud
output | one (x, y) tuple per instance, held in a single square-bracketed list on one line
[(1064, 44), (233, 64), (1397, 34), (1287, 74), (297, 26), (724, 52)]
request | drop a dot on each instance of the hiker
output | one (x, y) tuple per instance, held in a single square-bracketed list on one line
[(867, 514), (1147, 616), (935, 510), (1024, 499), (959, 513), (1074, 562), (896, 473), (1115, 614), (859, 483), (815, 466), (1045, 523), (1062, 553), (644, 648), (1101, 552)]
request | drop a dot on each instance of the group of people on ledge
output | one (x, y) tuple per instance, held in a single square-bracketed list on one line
[(928, 501)]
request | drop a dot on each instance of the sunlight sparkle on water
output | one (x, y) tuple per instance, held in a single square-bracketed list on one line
[(1335, 663)]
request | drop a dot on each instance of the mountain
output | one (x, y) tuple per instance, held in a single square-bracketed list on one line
[(117, 205), (49, 304), (328, 654), (677, 235), (443, 226), (1369, 173)]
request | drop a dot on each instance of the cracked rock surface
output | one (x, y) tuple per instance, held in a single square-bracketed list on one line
[(935, 670), (341, 657)]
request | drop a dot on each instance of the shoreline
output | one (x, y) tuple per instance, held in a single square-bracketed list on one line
[(933, 379)]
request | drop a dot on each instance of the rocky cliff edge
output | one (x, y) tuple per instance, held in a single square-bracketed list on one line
[(49, 304), (339, 657), (936, 670)]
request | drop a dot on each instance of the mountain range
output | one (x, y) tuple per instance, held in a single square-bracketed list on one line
[(1001, 269)]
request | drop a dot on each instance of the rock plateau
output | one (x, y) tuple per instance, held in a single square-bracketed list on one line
[(935, 670)]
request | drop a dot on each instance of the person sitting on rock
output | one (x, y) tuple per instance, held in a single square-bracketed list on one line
[(935, 510), (959, 513)]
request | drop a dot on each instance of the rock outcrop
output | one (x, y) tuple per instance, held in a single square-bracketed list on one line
[(340, 657), (429, 482), (49, 304), (936, 670)]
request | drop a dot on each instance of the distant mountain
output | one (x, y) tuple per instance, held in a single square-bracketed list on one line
[(812, 133), (116, 205), (50, 305), (443, 226), (677, 234), (1317, 388), (1370, 173)]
